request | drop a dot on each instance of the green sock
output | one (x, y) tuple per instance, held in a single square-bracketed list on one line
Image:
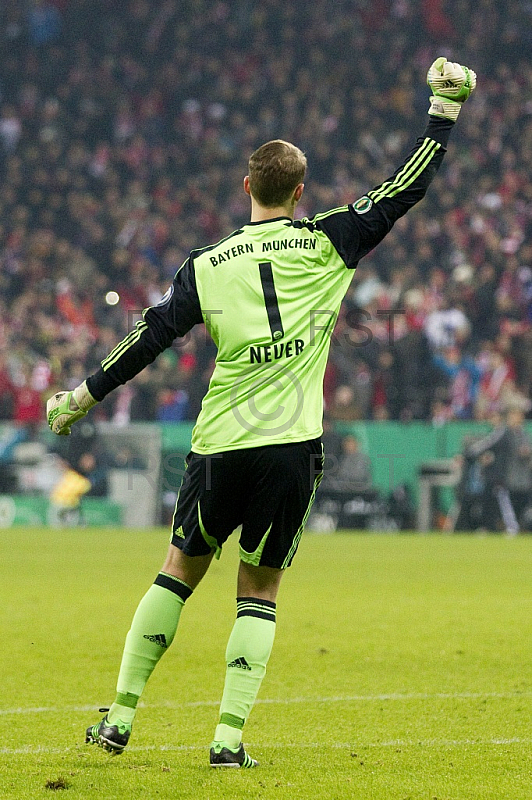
[(247, 654), (151, 634)]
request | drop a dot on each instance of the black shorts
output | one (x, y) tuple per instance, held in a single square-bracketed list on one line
[(268, 490)]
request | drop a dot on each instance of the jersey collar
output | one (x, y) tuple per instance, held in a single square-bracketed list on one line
[(267, 221)]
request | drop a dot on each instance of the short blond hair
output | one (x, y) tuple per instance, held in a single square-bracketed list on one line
[(275, 169)]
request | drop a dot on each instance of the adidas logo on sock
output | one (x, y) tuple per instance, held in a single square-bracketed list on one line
[(241, 663), (157, 638)]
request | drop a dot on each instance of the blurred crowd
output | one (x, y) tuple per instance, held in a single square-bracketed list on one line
[(125, 129)]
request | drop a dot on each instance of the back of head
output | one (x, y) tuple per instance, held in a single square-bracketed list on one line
[(275, 170)]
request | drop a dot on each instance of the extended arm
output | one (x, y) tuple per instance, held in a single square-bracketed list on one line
[(173, 316)]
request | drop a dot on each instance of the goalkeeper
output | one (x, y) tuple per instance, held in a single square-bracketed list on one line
[(268, 294)]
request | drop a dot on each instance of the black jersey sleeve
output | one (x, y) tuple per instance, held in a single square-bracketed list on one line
[(176, 313), (356, 229)]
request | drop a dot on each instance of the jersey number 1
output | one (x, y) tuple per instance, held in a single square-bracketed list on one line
[(270, 299)]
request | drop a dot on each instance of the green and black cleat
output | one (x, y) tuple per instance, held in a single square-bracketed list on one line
[(112, 738), (225, 757)]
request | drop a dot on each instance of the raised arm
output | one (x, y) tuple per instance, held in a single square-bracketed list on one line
[(356, 229)]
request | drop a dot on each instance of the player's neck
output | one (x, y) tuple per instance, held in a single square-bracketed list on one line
[(262, 214)]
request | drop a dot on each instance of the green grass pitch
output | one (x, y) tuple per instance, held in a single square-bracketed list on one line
[(401, 671)]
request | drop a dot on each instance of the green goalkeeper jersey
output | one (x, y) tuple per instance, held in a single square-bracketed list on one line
[(269, 295)]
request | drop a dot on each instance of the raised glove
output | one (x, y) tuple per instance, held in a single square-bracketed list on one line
[(451, 84), (65, 408)]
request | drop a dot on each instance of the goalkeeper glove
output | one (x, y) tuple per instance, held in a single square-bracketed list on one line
[(65, 408), (452, 84)]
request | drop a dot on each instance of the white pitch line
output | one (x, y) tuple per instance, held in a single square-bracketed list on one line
[(351, 746), (355, 698)]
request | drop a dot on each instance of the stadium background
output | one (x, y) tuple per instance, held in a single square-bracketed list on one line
[(124, 134)]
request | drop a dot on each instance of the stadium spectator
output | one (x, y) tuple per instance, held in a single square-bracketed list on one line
[(353, 473), (467, 512), (495, 382), (66, 495), (346, 496), (519, 480), (493, 452), (464, 377)]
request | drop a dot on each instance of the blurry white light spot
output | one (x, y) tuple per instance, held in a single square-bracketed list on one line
[(112, 298)]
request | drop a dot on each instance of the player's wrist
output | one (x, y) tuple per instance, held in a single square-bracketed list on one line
[(83, 398), (441, 107)]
